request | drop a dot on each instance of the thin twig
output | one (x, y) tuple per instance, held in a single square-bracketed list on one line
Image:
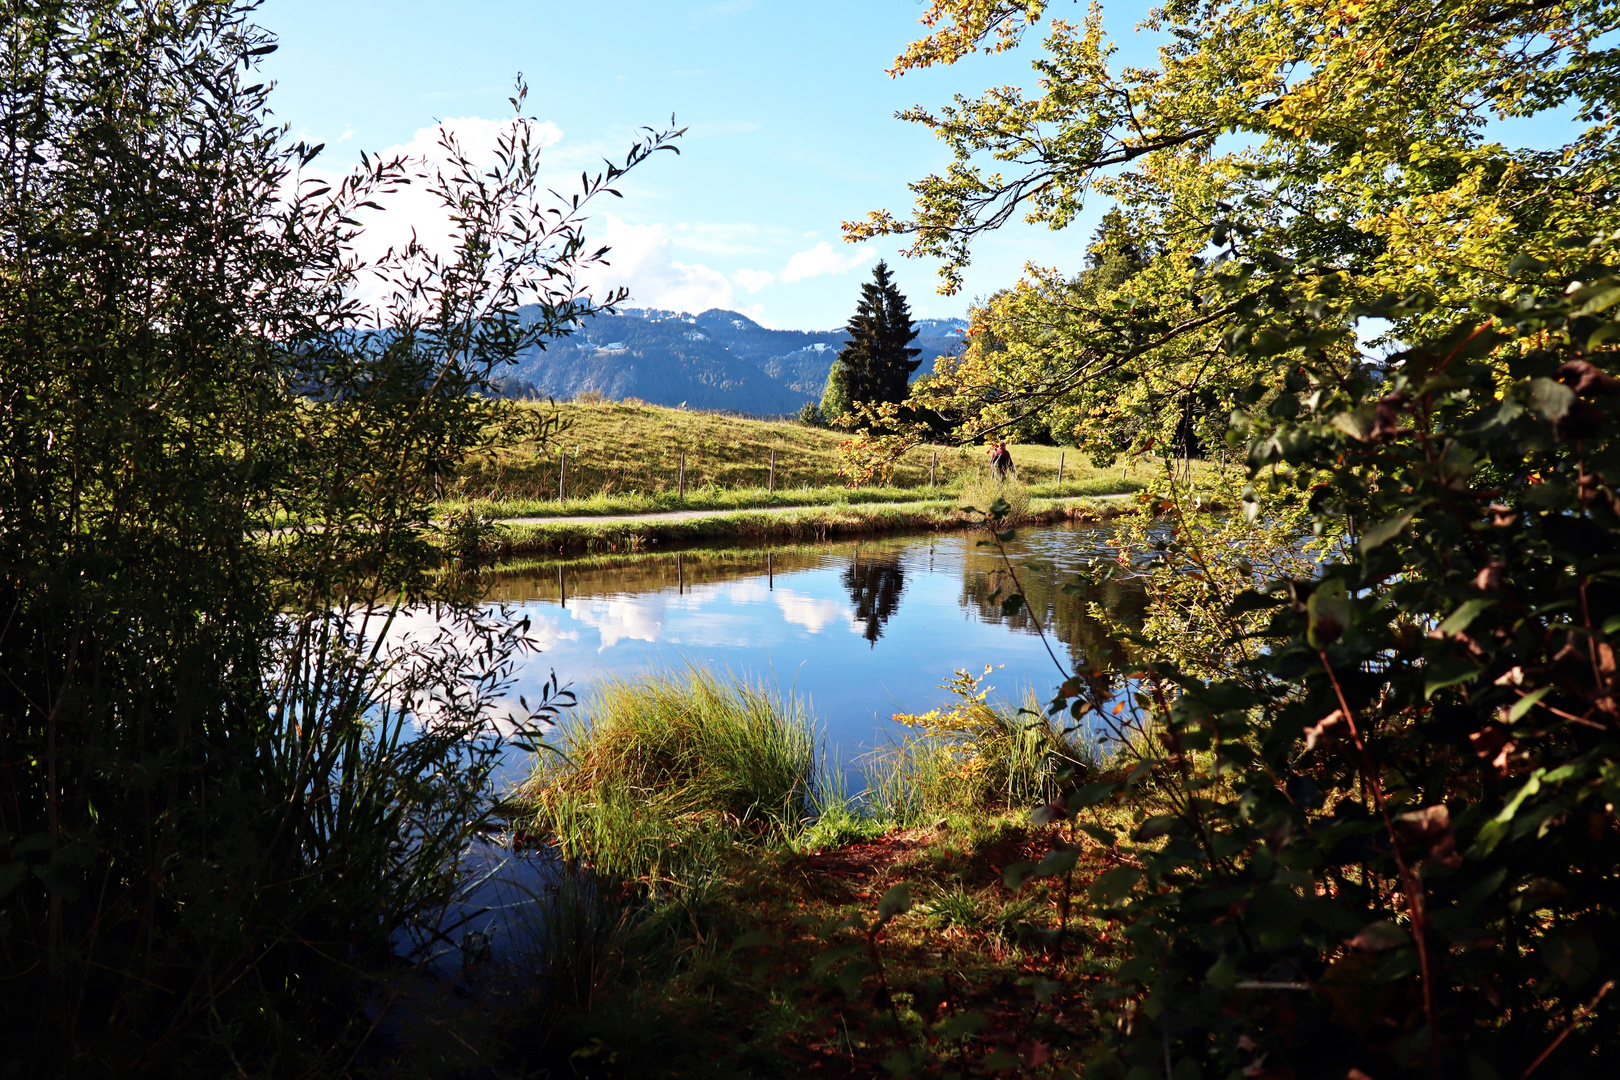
[(1411, 884), (1580, 1014)]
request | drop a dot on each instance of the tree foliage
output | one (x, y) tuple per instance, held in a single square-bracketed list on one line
[(1353, 140), (232, 764), (1379, 828)]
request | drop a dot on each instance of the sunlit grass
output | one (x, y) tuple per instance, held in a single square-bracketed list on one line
[(668, 768), (625, 457)]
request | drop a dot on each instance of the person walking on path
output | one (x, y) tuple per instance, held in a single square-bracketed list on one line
[(1000, 460)]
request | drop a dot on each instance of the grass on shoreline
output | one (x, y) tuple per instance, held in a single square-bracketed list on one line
[(730, 927)]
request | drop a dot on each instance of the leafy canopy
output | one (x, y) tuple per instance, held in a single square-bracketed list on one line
[(1350, 140)]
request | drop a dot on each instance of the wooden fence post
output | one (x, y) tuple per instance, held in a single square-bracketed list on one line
[(562, 474), (681, 483), (1061, 455), (771, 487)]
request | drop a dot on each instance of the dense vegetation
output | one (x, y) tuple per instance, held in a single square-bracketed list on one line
[(1354, 810), (1376, 825), (227, 775)]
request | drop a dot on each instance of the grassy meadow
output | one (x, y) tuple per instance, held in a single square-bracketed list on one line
[(624, 457)]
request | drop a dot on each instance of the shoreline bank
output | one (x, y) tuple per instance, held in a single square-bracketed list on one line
[(627, 535)]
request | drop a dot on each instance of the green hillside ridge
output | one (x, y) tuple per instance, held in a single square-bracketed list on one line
[(625, 457)]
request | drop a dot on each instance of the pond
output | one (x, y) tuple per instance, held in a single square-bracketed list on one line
[(857, 631)]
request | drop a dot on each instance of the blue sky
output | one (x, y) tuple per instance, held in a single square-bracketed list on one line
[(789, 110)]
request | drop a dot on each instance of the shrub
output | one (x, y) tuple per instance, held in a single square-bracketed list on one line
[(982, 488), (1385, 840), (226, 776), (973, 756)]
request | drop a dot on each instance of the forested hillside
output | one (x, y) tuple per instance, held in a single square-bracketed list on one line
[(716, 360)]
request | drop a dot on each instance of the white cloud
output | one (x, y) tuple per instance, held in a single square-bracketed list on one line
[(753, 280), (476, 136), (641, 261), (412, 207), (619, 620), (822, 259), (723, 237), (814, 613)]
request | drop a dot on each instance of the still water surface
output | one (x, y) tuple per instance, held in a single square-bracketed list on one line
[(856, 630)]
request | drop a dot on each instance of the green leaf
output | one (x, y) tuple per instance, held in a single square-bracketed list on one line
[(851, 976), (1458, 620), (1525, 263), (1110, 888), (1603, 335), (996, 1060), (11, 875), (1092, 794), (1155, 827), (1448, 671), (1100, 834), (833, 956), (1043, 989), (1551, 399), (60, 879), (1222, 973), (1526, 703), (1380, 937), (1383, 533), (1057, 861), (1331, 915), (753, 939), (1573, 956), (1600, 295), (1328, 611), (899, 1064), (962, 1024), (897, 901), (1017, 875)]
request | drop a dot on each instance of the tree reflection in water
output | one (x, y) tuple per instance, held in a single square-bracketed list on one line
[(1063, 613), (874, 588)]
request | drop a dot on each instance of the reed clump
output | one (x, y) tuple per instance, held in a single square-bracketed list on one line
[(975, 756), (667, 770), (983, 486)]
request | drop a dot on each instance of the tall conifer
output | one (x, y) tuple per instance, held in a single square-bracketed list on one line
[(878, 360)]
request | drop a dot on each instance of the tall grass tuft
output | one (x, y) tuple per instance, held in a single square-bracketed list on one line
[(974, 755), (666, 770), (982, 487)]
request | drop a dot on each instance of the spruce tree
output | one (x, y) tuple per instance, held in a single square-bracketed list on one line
[(877, 361)]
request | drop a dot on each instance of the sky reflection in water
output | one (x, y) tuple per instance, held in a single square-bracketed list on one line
[(858, 631)]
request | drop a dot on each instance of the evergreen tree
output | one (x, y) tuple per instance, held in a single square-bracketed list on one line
[(835, 398), (877, 361)]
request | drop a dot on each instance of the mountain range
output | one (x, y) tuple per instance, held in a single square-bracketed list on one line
[(716, 360)]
